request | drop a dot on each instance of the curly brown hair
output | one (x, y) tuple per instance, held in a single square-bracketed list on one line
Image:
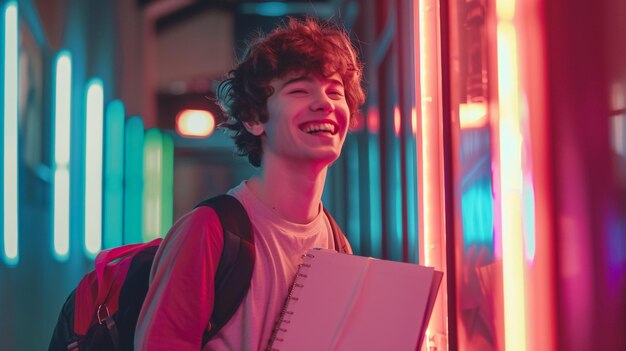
[(303, 46)]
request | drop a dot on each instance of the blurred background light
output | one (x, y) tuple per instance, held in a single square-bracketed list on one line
[(62, 126), (133, 180), (10, 134), (153, 178), (511, 178), (473, 115), (167, 191), (113, 203), (195, 123), (94, 120), (272, 8)]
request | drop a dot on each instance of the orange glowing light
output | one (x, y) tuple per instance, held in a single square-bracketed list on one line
[(397, 120), (414, 120), (195, 123), (373, 120), (505, 10), (473, 115)]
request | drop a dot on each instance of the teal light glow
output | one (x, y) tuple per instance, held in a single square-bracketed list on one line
[(133, 180), (62, 98), (272, 8), (477, 212), (394, 197), (354, 200), (94, 121), (411, 190), (10, 134), (113, 211), (167, 193), (375, 197), (153, 184)]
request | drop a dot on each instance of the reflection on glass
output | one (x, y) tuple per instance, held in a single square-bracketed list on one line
[(477, 255)]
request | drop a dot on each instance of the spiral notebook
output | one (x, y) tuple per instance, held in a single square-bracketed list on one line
[(349, 302)]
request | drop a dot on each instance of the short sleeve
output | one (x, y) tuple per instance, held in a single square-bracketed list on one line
[(180, 297)]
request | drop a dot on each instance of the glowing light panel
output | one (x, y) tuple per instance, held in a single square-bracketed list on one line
[(394, 193), (152, 193), (133, 180), (412, 208), (511, 176), (167, 192), (113, 225), (94, 121), (10, 135), (61, 137), (430, 184), (375, 197)]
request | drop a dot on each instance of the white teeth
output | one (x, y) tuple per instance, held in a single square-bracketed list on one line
[(319, 127)]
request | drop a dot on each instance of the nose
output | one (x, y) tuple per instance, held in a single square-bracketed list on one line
[(322, 102)]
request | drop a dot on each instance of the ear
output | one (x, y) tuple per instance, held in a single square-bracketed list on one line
[(254, 127)]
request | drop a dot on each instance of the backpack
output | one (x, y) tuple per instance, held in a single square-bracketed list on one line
[(102, 312)]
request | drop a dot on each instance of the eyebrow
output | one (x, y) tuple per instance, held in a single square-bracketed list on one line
[(308, 79)]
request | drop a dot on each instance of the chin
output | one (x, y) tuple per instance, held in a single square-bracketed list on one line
[(329, 158)]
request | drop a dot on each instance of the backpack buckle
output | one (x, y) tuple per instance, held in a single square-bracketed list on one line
[(101, 320)]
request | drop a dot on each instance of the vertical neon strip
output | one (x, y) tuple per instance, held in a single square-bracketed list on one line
[(396, 187), (153, 172), (167, 193), (430, 129), (113, 211), (511, 180), (426, 192), (94, 121), (394, 190), (354, 200), (397, 200), (133, 180), (397, 120), (411, 190), (373, 171), (375, 196), (10, 147), (430, 184), (61, 137)]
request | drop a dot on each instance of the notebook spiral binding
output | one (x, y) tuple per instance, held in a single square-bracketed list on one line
[(285, 313)]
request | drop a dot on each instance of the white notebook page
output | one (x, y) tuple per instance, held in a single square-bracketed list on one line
[(355, 303)]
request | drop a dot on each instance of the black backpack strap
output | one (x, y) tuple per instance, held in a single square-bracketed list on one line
[(234, 272), (341, 242)]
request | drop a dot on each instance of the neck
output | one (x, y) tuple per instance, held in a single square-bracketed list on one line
[(294, 191)]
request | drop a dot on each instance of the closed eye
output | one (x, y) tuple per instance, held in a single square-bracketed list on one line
[(335, 93), (298, 91)]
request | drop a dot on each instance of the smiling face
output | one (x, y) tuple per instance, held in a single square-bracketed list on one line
[(308, 119)]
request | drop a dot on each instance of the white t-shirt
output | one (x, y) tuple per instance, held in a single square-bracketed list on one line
[(180, 299)]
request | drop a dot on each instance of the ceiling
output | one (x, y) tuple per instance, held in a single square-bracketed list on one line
[(170, 12)]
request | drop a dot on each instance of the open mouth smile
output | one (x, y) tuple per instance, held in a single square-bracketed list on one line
[(326, 127)]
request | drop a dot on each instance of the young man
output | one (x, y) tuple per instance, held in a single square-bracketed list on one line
[(289, 104)]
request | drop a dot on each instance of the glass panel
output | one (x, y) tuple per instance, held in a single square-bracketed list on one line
[(478, 260)]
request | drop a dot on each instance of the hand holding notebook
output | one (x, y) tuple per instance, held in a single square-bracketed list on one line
[(348, 302)]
